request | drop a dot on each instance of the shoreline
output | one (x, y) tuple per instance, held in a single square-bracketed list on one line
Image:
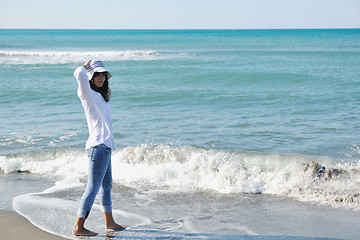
[(13, 226), (334, 223)]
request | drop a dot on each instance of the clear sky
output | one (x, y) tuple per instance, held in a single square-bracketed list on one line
[(179, 14)]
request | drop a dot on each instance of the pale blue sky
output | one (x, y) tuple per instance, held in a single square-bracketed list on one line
[(180, 14)]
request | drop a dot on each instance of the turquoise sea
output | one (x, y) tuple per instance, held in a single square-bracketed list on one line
[(222, 124)]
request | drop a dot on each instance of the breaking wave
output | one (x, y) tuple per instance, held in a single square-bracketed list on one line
[(185, 168), (64, 57)]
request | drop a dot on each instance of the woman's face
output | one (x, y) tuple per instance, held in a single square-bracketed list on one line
[(99, 79)]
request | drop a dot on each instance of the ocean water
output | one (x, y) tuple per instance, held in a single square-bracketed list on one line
[(221, 134)]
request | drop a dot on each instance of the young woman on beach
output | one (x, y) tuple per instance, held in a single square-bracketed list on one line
[(94, 93)]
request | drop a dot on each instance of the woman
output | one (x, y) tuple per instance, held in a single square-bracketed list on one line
[(94, 93)]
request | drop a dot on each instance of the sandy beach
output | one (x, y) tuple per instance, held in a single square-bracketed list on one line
[(15, 227), (12, 225)]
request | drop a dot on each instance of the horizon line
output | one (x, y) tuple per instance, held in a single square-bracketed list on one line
[(325, 28)]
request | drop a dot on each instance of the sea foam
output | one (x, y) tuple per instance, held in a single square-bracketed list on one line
[(63, 57), (185, 168)]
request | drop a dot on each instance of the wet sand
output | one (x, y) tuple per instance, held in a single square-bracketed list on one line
[(15, 227)]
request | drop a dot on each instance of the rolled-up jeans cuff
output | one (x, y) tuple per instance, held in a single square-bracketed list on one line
[(107, 208), (83, 213)]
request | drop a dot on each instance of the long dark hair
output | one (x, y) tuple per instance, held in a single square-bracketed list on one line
[(104, 90)]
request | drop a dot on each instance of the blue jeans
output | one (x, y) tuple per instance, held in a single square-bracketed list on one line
[(99, 178)]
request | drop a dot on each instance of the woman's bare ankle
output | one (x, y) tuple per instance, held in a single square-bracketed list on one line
[(111, 224)]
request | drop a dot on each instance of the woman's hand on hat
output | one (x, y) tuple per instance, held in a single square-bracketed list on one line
[(87, 64)]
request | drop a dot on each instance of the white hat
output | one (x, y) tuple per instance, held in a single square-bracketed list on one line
[(97, 66)]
